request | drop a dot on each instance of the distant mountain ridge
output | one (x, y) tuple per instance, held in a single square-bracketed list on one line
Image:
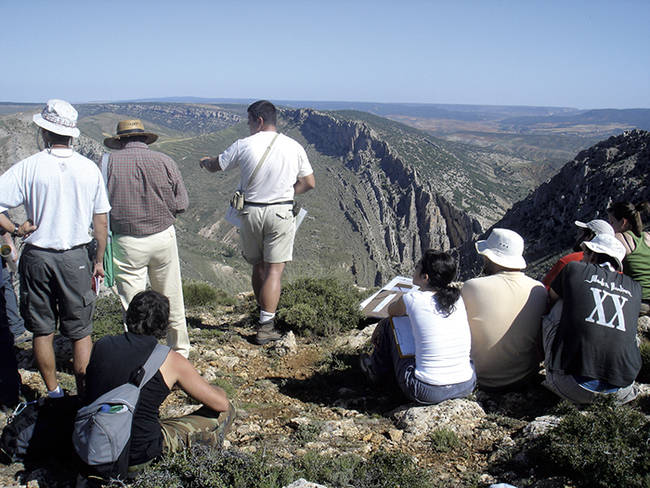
[(631, 118), (616, 169), (385, 191)]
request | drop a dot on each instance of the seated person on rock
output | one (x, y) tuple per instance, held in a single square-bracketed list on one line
[(590, 335), (586, 233), (441, 368), (626, 220), (116, 359), (505, 311)]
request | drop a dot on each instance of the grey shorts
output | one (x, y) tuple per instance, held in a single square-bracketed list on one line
[(55, 286), (267, 233)]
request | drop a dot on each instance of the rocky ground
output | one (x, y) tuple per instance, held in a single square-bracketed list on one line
[(302, 395)]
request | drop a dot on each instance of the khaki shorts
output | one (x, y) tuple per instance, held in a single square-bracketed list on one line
[(267, 233)]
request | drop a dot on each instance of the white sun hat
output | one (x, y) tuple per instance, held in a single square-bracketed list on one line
[(503, 247), (59, 117), (606, 244), (597, 226)]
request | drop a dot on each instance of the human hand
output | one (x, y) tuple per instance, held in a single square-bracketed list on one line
[(204, 162), (26, 229), (98, 271)]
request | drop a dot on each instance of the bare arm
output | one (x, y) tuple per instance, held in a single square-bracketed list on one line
[(626, 245), (177, 369), (397, 308), (211, 164), (552, 297), (22, 230), (304, 184), (100, 232)]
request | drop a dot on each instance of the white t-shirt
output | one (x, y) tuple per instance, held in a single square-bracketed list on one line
[(61, 190), (442, 344), (286, 162)]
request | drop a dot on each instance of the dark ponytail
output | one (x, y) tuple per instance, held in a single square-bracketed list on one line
[(632, 213), (441, 269)]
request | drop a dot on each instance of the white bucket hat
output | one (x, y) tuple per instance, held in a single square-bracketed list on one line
[(59, 117), (597, 226), (503, 247), (609, 245)]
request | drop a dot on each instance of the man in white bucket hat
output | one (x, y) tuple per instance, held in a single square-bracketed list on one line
[(63, 195), (589, 336), (587, 231), (504, 310)]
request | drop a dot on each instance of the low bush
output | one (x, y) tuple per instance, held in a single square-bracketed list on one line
[(319, 306), (307, 433), (444, 440), (197, 294), (606, 445), (107, 317), (202, 466)]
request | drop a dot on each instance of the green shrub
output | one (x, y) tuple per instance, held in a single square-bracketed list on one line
[(604, 446), (644, 374), (197, 294), (107, 317), (307, 432), (444, 440), (202, 466), (320, 306)]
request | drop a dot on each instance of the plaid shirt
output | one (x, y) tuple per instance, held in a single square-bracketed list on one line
[(145, 189)]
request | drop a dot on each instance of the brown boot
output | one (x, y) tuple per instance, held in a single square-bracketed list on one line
[(267, 332)]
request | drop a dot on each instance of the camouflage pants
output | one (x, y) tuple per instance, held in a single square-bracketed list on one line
[(205, 426)]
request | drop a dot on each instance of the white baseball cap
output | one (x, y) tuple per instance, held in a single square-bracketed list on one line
[(59, 117), (503, 247)]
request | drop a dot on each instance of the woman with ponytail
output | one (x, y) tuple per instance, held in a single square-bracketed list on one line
[(441, 368), (628, 225)]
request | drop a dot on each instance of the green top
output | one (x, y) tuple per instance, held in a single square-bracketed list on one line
[(637, 264)]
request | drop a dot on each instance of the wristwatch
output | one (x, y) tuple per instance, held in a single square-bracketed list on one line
[(15, 231)]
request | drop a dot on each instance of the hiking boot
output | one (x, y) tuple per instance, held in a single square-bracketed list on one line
[(267, 332), (368, 368)]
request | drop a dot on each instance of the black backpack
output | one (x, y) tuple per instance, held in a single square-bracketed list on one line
[(40, 431)]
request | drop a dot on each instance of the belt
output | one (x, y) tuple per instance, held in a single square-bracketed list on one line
[(260, 204), (32, 246)]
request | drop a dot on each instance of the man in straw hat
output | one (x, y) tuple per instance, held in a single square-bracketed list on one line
[(504, 310), (63, 193), (590, 335), (146, 191)]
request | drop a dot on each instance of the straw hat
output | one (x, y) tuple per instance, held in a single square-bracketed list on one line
[(503, 247), (59, 117), (126, 129)]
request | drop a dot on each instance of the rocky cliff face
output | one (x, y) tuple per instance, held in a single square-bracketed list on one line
[(616, 169), (187, 118), (397, 213)]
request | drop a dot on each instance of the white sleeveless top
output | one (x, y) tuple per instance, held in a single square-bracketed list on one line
[(442, 344)]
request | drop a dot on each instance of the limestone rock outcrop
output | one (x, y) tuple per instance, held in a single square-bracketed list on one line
[(616, 169), (398, 213)]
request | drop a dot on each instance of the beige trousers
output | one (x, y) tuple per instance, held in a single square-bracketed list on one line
[(154, 256)]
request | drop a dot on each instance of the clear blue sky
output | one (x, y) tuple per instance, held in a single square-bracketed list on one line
[(585, 54)]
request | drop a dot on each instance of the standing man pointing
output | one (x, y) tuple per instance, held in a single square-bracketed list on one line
[(273, 168)]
